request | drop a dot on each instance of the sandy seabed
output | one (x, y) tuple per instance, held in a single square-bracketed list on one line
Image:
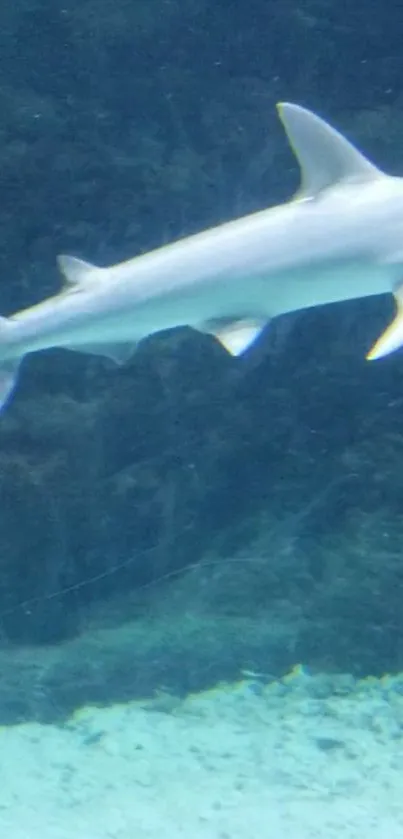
[(303, 758)]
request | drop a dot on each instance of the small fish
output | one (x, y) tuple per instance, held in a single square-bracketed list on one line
[(339, 238)]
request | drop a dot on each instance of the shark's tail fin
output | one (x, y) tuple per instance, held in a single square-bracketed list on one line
[(8, 367)]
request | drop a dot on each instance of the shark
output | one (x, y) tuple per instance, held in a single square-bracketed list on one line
[(339, 238)]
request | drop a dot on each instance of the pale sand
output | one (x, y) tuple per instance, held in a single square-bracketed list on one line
[(291, 760)]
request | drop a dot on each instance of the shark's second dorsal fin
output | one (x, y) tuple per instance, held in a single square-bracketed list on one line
[(77, 273), (325, 156)]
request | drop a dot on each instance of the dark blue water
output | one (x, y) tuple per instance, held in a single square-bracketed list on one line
[(277, 478)]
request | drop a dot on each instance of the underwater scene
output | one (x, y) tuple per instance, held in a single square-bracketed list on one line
[(201, 419)]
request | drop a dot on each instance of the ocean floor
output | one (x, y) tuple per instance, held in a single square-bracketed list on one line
[(307, 757)]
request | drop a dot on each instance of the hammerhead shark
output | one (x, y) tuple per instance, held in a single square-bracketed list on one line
[(339, 238)]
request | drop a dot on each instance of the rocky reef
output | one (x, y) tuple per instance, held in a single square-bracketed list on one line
[(277, 475)]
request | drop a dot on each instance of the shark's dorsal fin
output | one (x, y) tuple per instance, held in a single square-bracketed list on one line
[(77, 272), (324, 155)]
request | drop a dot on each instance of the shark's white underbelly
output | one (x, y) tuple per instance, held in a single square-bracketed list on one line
[(75, 322), (315, 286), (264, 297)]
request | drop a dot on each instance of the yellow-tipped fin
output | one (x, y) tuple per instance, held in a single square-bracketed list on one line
[(392, 338)]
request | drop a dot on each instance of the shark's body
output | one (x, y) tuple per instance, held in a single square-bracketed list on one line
[(340, 238)]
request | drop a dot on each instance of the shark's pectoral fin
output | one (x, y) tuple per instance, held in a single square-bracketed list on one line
[(119, 353), (235, 335), (326, 158), (392, 338)]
